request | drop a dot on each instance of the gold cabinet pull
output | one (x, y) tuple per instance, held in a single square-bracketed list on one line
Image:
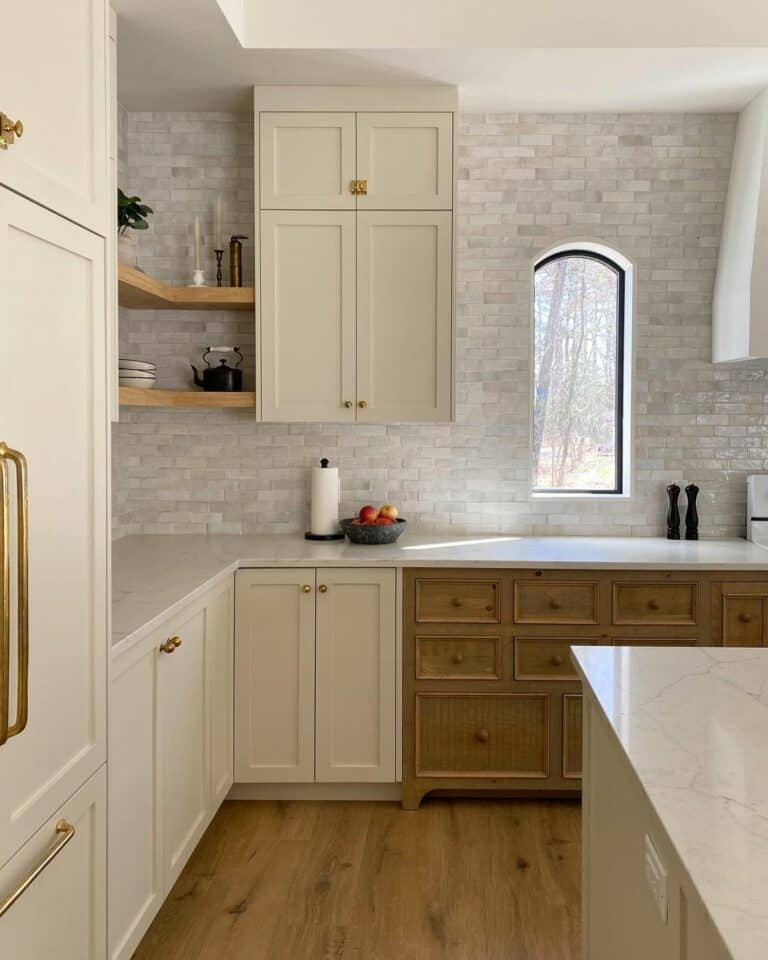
[(348, 404), (9, 130), (362, 187), (171, 645), (362, 404), (556, 660), (306, 588), (64, 833), (323, 588), (482, 735), (458, 658), (7, 729)]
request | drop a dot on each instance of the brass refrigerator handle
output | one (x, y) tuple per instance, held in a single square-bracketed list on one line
[(5, 606), (64, 833), (22, 583)]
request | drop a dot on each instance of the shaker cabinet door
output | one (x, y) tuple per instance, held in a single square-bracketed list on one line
[(275, 676), (404, 317), (356, 676), (52, 277), (406, 161), (53, 81), (308, 316), (307, 161)]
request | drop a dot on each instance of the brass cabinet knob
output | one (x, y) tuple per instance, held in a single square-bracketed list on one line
[(362, 187), (482, 735), (176, 641), (458, 658), (556, 660), (306, 588), (171, 645), (348, 404), (362, 404), (16, 128), (322, 588)]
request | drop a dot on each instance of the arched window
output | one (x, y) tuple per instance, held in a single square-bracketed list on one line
[(580, 389)]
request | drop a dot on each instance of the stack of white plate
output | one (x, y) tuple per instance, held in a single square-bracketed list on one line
[(137, 373)]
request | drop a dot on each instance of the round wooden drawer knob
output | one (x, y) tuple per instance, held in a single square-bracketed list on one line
[(458, 658), (554, 605), (489, 607), (556, 661), (653, 604), (455, 602), (482, 736), (745, 617)]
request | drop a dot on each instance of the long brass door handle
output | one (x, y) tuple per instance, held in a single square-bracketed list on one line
[(64, 833), (8, 729)]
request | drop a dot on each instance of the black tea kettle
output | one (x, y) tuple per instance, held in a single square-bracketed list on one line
[(221, 379)]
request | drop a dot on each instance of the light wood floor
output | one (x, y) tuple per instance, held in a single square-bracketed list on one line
[(456, 880)]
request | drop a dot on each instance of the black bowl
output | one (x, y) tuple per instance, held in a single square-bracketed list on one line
[(372, 535)]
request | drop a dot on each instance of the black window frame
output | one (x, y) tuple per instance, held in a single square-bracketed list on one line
[(621, 286)]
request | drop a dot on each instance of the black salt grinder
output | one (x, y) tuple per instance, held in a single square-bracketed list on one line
[(691, 513), (673, 513)]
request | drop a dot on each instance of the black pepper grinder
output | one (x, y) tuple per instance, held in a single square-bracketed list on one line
[(236, 259), (673, 513), (691, 513)]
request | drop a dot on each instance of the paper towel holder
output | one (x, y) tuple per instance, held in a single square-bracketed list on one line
[(323, 536)]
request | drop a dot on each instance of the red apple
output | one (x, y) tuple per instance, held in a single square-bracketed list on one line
[(389, 511), (368, 513), (384, 521)]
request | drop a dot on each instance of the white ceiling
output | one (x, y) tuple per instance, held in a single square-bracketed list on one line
[(182, 55)]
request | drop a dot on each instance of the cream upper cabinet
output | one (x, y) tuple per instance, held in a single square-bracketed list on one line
[(62, 912), (404, 318), (308, 315), (307, 161), (61, 430), (53, 81), (275, 676), (405, 161), (356, 676)]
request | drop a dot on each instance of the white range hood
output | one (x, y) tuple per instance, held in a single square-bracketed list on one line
[(740, 308)]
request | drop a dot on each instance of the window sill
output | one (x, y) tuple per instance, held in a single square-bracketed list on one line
[(580, 496)]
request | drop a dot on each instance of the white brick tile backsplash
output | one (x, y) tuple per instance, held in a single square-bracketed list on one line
[(651, 184)]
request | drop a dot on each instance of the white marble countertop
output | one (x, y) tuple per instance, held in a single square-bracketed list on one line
[(693, 723), (153, 576)]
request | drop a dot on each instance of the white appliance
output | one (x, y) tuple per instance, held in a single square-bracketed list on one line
[(757, 508)]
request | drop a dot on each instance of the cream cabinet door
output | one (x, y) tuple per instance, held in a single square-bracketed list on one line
[(62, 913), (404, 317), (307, 161), (308, 316), (135, 821), (356, 676), (406, 159), (275, 676), (52, 277), (53, 80), (219, 652), (183, 744)]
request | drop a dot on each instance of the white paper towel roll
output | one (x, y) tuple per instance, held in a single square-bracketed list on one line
[(324, 510)]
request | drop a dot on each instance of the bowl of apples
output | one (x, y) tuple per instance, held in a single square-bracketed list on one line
[(374, 527)]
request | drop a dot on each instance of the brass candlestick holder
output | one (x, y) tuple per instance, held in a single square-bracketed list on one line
[(219, 256)]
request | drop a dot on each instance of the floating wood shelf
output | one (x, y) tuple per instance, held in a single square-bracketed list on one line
[(139, 291), (136, 397)]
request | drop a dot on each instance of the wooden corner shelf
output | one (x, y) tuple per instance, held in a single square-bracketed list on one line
[(139, 291), (199, 399)]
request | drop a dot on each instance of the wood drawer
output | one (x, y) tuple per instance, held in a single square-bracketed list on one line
[(557, 601), (744, 620), (542, 658), (458, 658), (573, 722), (458, 601), (482, 735), (655, 602), (655, 642)]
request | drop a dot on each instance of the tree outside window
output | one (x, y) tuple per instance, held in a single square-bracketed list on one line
[(578, 373)]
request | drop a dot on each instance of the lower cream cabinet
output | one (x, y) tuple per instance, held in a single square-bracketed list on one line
[(316, 676), (170, 757), (62, 913)]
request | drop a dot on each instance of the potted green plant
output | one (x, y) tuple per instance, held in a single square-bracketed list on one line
[(131, 215)]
